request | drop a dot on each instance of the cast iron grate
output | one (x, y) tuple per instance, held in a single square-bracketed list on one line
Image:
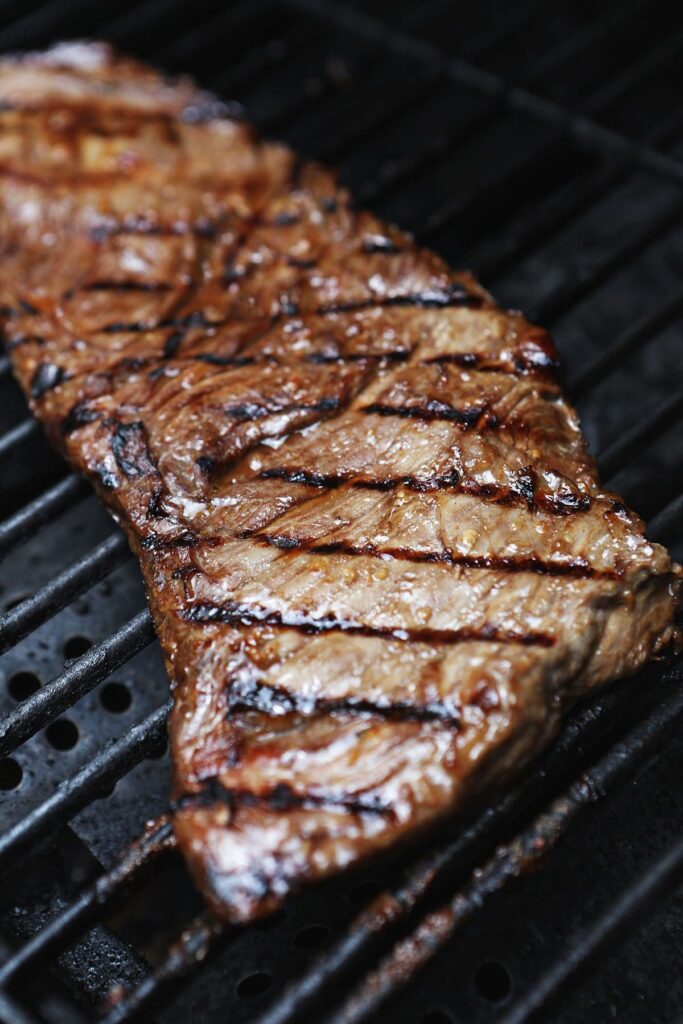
[(539, 144)]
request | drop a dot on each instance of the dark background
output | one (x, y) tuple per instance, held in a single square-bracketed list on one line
[(541, 145)]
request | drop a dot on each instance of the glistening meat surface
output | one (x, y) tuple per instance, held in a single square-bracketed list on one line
[(377, 554)]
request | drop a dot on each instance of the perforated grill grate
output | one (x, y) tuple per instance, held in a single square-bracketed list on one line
[(541, 145)]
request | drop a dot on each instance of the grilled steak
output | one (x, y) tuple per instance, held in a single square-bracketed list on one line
[(376, 551)]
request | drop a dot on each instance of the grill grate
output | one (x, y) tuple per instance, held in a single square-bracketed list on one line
[(537, 144)]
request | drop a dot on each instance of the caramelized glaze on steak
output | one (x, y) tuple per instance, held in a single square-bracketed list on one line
[(377, 553)]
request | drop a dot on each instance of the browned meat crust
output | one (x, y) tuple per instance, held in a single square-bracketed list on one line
[(377, 554)]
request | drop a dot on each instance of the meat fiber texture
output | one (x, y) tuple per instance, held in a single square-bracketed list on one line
[(377, 553)]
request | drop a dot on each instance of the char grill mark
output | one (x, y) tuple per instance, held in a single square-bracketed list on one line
[(375, 245), (524, 364), (575, 568), (420, 300), (46, 377), (522, 491), (252, 411), (433, 409), (281, 798), (399, 355), (140, 227), (173, 343), (234, 613), (24, 339), (186, 539), (275, 701), (127, 286), (216, 360), (78, 416), (195, 319), (131, 450)]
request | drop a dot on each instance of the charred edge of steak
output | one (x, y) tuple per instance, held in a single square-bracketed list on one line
[(235, 613)]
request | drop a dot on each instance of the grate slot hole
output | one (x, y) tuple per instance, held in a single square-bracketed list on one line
[(254, 985), (76, 647), (115, 697), (311, 937), (493, 981), (10, 774), (22, 685), (62, 734)]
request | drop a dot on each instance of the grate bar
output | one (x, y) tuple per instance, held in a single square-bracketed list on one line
[(190, 949), (651, 60), (156, 16), (86, 785), (378, 114), (596, 135), (76, 680), (101, 896), (589, 375), (514, 19), (17, 436), (571, 47), (224, 22), (667, 523), (65, 587), (636, 903), (613, 459), (404, 169), (12, 1013), (514, 859), (258, 59), (535, 228), (566, 296), (41, 510), (453, 208)]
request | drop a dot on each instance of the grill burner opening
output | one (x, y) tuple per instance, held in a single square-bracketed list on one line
[(542, 146)]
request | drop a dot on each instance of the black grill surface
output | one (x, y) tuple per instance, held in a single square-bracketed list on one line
[(541, 145)]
